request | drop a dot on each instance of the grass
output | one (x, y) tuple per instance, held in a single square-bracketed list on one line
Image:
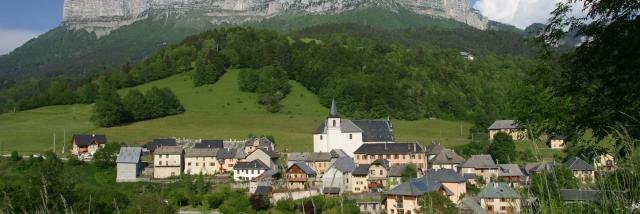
[(218, 111), (545, 151)]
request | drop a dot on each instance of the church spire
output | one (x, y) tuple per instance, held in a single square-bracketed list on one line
[(334, 110)]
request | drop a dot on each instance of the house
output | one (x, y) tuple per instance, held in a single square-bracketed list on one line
[(266, 191), (500, 198), (470, 205), (337, 179), (168, 161), (156, 143), (300, 176), (318, 161), (579, 195), (432, 150), (265, 179), (254, 143), (246, 171), (370, 206), (201, 161), (268, 157), (405, 198), (582, 170), (467, 55), (128, 164), (511, 175), (507, 126), (557, 142), (395, 175), (370, 177), (87, 144), (228, 158), (445, 159), (605, 162), (479, 166), (395, 153), (360, 175), (209, 144), (349, 135), (538, 167), (451, 180)]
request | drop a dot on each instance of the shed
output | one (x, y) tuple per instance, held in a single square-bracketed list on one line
[(128, 164)]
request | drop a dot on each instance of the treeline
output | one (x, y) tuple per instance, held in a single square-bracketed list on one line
[(112, 110), (271, 84)]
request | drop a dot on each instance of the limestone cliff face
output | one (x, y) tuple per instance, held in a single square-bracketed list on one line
[(103, 16)]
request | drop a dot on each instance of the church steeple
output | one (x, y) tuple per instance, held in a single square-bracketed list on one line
[(334, 110)]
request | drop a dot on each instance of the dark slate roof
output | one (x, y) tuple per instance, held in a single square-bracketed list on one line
[(396, 171), (129, 155), (471, 203), (262, 190), (213, 144), (503, 124), (445, 176), (333, 113), (434, 149), (346, 126), (331, 190), (271, 153), (337, 153), (558, 137), (86, 139), (510, 170), (579, 195), (447, 156), (416, 187), (262, 142), (375, 130), (479, 161), (200, 152), (304, 167), (168, 150), (389, 148), (362, 169), (153, 145), (383, 162), (255, 164), (530, 168), (344, 164), (228, 153), (577, 164), (498, 190), (309, 156)]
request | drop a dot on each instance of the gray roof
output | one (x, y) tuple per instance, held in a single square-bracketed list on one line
[(333, 113), (129, 155), (503, 124), (498, 190), (434, 149), (336, 153), (389, 148), (579, 195), (445, 176), (538, 166), (309, 156), (362, 169), (153, 145), (346, 126), (396, 171), (383, 162), (231, 154), (168, 150), (219, 144), (372, 130), (447, 156), (417, 187), (200, 152), (577, 164), (262, 142), (344, 164), (331, 190), (480, 162), (255, 164), (262, 190), (272, 154), (471, 203), (510, 170), (304, 167), (86, 139)]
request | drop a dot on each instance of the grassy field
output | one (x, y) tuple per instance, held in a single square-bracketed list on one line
[(218, 111)]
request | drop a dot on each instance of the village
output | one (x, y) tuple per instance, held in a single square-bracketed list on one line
[(356, 158)]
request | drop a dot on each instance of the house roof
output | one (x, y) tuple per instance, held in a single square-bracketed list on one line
[(309, 156), (344, 164), (168, 150), (337, 153), (538, 166), (558, 137), (346, 126), (331, 190), (579, 195), (200, 152), (480, 162), (396, 171), (86, 139), (255, 164), (471, 203), (447, 156), (129, 155), (304, 167), (503, 124), (382, 162), (263, 190), (417, 187), (375, 130), (362, 169), (333, 113), (510, 170), (270, 153), (577, 164), (445, 176), (262, 142), (389, 148), (219, 144), (231, 154), (498, 190), (434, 149), (153, 145)]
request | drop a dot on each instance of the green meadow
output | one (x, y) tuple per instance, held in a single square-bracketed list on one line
[(218, 111)]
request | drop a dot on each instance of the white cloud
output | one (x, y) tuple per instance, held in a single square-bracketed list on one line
[(520, 13), (10, 39)]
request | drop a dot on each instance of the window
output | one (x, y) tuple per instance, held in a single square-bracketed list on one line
[(334, 123), (320, 137), (212, 164), (395, 156), (189, 164), (490, 207), (350, 136), (197, 164), (159, 162), (503, 200), (166, 156), (381, 172), (503, 208), (413, 156)]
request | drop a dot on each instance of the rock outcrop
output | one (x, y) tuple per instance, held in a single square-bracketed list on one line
[(103, 16)]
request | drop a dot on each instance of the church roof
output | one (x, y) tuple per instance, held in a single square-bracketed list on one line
[(372, 130), (334, 110)]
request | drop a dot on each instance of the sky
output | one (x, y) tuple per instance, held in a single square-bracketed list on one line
[(21, 20)]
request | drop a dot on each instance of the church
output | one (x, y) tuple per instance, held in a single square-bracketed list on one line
[(349, 135)]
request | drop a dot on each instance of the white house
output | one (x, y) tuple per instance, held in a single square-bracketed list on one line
[(349, 135), (246, 171), (128, 164), (167, 161), (201, 161)]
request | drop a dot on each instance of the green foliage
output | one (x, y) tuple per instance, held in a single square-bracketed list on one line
[(271, 84), (548, 184), (149, 203), (503, 148), (472, 148), (15, 156), (237, 202), (209, 69), (435, 202), (472, 189), (106, 157), (409, 173), (111, 110)]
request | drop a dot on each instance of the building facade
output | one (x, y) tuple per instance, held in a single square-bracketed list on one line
[(507, 126), (201, 161), (87, 144), (168, 161)]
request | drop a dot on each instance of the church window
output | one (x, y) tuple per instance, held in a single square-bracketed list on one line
[(320, 137), (350, 136), (334, 123)]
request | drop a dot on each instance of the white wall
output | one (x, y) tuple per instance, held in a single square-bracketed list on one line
[(335, 139), (201, 165), (246, 174)]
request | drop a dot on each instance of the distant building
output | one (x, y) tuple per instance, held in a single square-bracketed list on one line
[(467, 55), (395, 175), (511, 175), (579, 195), (370, 177), (395, 153), (338, 179), (156, 143), (209, 144), (254, 143), (445, 159), (300, 176), (405, 198), (318, 161), (89, 144), (470, 205), (605, 162), (168, 161), (432, 150), (500, 198), (128, 165), (455, 184), (349, 135), (201, 161), (557, 142), (582, 170), (246, 171), (228, 158), (479, 166), (507, 126), (267, 157)]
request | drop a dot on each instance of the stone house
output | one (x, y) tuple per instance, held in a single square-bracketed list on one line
[(168, 161), (370, 177), (360, 176), (254, 143), (268, 157), (605, 162), (128, 164), (394, 153), (582, 170), (507, 126), (405, 198), (318, 161), (446, 159), (87, 144), (511, 175), (228, 158), (246, 171), (479, 166), (500, 198), (201, 161), (209, 144), (454, 183), (157, 143), (557, 142), (300, 176), (338, 179)]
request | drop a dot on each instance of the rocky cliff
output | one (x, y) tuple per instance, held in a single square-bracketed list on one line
[(103, 16)]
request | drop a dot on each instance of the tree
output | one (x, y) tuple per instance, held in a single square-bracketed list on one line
[(503, 148), (106, 157), (435, 202), (15, 156), (109, 110), (135, 104), (151, 204), (547, 184), (409, 173)]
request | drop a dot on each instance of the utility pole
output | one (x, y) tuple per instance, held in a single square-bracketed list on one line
[(54, 143), (64, 137)]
